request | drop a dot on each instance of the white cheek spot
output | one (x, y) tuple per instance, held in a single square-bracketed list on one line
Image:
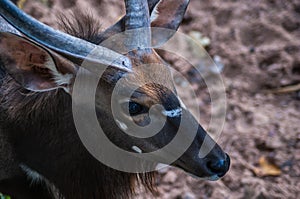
[(181, 103), (122, 125), (173, 113), (137, 149), (33, 175)]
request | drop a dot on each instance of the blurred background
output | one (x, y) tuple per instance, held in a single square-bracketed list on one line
[(256, 45)]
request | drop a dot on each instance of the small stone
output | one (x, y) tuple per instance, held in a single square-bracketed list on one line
[(261, 195), (219, 63), (274, 142), (170, 177), (252, 49), (189, 195), (260, 119), (204, 41)]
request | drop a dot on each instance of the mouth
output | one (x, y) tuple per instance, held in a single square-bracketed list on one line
[(214, 177), (210, 178), (200, 171)]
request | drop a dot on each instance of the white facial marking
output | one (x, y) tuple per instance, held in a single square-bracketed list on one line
[(181, 103), (173, 113), (122, 125), (35, 176), (210, 178), (213, 178), (137, 149)]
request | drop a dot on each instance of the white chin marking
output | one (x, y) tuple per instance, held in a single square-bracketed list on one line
[(173, 113), (137, 149), (211, 178)]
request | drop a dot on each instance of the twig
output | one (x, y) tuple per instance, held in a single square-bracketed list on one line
[(286, 89)]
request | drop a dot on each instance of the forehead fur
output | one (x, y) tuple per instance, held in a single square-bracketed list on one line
[(149, 68), (151, 79)]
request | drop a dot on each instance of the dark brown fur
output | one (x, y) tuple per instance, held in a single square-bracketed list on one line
[(48, 115), (81, 25), (40, 128)]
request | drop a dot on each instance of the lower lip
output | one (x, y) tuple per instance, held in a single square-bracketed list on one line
[(211, 178)]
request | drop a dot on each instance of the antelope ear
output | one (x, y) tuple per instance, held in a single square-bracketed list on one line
[(168, 13), (34, 67)]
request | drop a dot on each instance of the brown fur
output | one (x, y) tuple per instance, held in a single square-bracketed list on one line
[(48, 115), (22, 108), (41, 131)]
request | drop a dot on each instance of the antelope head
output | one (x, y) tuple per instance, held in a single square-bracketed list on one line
[(136, 90)]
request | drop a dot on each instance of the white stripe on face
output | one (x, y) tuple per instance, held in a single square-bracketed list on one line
[(173, 113), (122, 125), (137, 149)]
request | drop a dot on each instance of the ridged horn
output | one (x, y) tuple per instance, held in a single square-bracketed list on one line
[(75, 49), (137, 19)]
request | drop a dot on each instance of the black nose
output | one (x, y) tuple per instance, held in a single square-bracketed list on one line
[(219, 166)]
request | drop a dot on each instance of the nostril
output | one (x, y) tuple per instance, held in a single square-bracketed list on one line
[(216, 166), (219, 166)]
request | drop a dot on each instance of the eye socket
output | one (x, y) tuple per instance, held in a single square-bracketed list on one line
[(136, 108)]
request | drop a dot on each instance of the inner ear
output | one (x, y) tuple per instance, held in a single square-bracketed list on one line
[(33, 66), (166, 18), (168, 14)]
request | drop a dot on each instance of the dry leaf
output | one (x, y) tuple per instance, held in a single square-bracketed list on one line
[(21, 3), (266, 168), (204, 41)]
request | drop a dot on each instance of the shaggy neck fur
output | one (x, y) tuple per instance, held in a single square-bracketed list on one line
[(41, 128)]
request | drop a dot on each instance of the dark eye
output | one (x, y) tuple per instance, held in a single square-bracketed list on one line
[(135, 108)]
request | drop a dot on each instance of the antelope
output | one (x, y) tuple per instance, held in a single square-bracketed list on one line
[(42, 155)]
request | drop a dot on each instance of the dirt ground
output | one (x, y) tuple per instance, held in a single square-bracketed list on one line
[(258, 42)]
